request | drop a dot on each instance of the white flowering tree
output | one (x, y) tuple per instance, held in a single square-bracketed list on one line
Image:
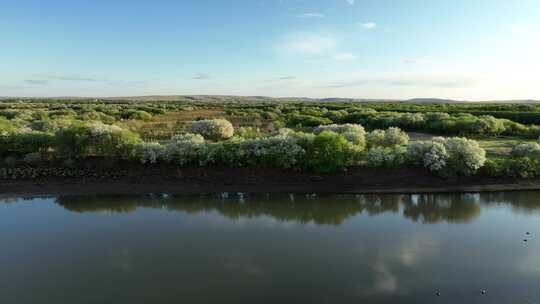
[(386, 157), (375, 138), (390, 137), (354, 133), (150, 153), (395, 137), (281, 151), (447, 156), (185, 149), (531, 150), (213, 129)]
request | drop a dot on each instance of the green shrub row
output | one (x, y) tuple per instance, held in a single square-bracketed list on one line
[(77, 140)]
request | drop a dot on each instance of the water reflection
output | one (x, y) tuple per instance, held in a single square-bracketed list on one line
[(326, 209), (244, 248)]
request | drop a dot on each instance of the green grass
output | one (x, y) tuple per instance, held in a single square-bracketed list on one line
[(500, 147), (495, 147)]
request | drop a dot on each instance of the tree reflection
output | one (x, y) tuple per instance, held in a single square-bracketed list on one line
[(98, 204), (326, 209), (432, 209), (525, 202)]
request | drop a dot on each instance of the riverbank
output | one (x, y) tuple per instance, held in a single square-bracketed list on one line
[(166, 179)]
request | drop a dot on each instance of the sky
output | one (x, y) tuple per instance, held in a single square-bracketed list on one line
[(392, 49)]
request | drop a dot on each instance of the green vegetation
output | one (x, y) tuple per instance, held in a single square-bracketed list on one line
[(321, 137)]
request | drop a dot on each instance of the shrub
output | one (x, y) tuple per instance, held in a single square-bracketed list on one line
[(391, 137), (96, 116), (213, 129), (465, 155), (533, 132), (32, 158), (514, 128), (300, 120), (73, 141), (411, 121), (395, 137), (149, 153), (248, 132), (280, 151), (488, 125), (531, 150), (375, 138), (80, 140), (140, 115), (24, 141), (386, 157), (49, 125), (523, 167), (447, 156), (431, 155), (112, 141), (436, 116), (6, 126), (354, 133), (186, 149), (328, 152)]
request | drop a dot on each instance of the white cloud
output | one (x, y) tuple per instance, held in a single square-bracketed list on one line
[(519, 28), (310, 15), (307, 43), (201, 76), (418, 61), (367, 26), (351, 2), (344, 57), (415, 81)]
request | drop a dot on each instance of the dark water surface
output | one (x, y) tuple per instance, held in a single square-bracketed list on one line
[(239, 248)]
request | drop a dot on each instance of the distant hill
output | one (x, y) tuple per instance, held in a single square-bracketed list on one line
[(433, 100), (255, 99)]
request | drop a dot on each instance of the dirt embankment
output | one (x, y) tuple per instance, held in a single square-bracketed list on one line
[(166, 179)]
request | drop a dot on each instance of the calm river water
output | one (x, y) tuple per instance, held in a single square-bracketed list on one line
[(241, 248)]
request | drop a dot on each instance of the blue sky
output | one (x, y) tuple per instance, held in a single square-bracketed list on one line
[(462, 49)]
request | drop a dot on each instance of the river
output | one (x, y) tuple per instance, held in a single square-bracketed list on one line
[(242, 248)]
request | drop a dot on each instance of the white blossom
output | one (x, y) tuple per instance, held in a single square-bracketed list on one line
[(526, 150), (395, 137), (454, 155), (354, 133), (213, 129), (150, 152), (375, 138), (385, 157)]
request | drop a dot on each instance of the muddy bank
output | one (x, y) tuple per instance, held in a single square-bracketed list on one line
[(165, 179)]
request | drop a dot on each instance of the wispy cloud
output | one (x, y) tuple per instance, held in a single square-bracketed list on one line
[(75, 78), (432, 81), (346, 84), (284, 78), (367, 26), (201, 76), (42, 80), (344, 57), (351, 2), (442, 83), (310, 15), (418, 61), (12, 87), (307, 43), (36, 81)]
